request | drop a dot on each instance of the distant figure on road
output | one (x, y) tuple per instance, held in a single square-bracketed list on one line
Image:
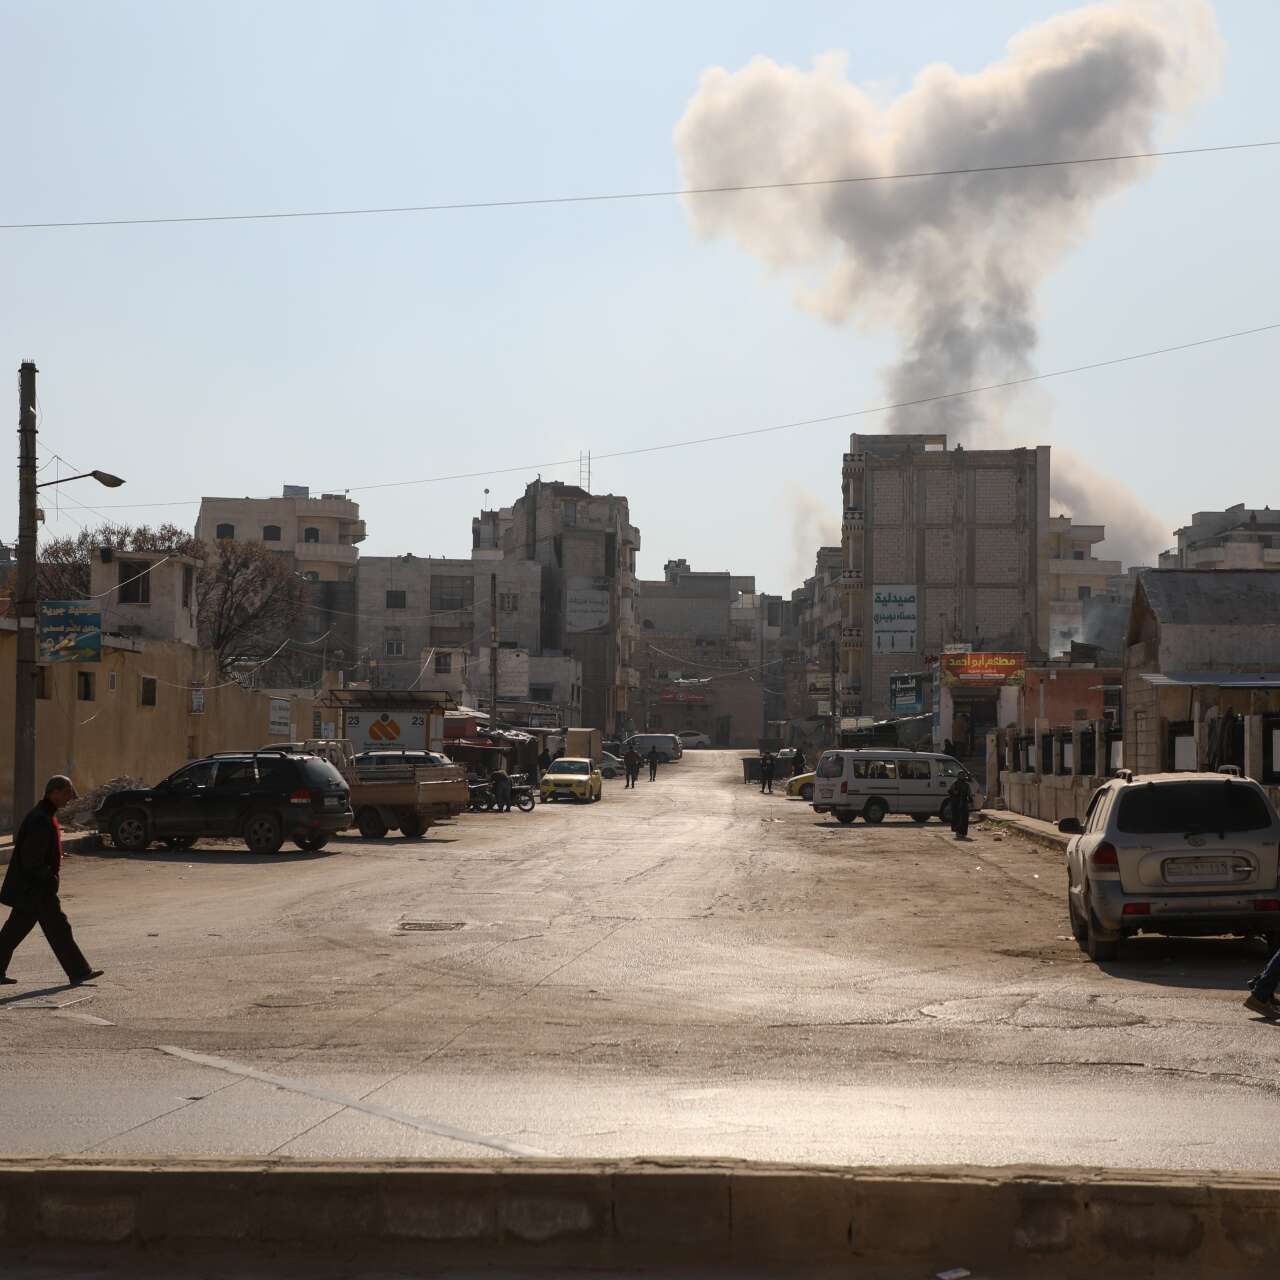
[(31, 885), (544, 762), (767, 765), (798, 763), (631, 763), (501, 782), (652, 757), (961, 802)]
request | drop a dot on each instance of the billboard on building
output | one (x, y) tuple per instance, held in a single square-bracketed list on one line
[(70, 631), (683, 696), (983, 669), (586, 604), (817, 682), (894, 618), (388, 730), (906, 694), (278, 718)]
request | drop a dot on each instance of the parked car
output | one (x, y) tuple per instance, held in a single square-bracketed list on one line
[(264, 797), (691, 739), (801, 785), (668, 745), (612, 767), (391, 759), (1187, 854), (572, 778), (871, 783)]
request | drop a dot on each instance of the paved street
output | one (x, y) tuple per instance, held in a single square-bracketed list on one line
[(687, 969)]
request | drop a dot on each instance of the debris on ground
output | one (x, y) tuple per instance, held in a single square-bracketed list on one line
[(79, 813)]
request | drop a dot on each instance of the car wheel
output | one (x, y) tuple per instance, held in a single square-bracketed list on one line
[(1097, 948), (129, 831), (262, 833), (875, 810), (180, 843), (806, 792), (845, 817), (413, 827), (921, 818), (371, 824), (311, 844)]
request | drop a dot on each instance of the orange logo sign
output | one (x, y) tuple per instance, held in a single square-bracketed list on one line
[(384, 729)]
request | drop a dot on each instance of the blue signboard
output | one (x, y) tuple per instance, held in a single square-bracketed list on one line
[(906, 694), (70, 631)]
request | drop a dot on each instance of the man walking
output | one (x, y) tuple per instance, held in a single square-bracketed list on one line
[(798, 763), (31, 885), (631, 763), (501, 782), (961, 803), (653, 764), (766, 772)]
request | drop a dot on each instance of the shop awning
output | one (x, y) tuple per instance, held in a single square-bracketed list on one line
[(1218, 679)]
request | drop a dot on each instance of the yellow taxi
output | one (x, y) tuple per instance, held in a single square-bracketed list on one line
[(801, 785), (572, 778)]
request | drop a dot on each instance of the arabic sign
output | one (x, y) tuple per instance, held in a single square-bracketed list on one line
[(197, 701), (983, 668), (371, 730), (681, 695), (906, 694), (70, 631), (818, 682), (278, 718), (894, 613), (586, 605)]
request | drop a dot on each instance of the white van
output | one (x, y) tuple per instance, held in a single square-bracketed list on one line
[(871, 783), (668, 745)]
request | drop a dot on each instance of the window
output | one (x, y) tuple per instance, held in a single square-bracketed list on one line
[(569, 512), (444, 664), (196, 775), (830, 767), (1084, 592), (311, 535), (111, 682), (393, 647), (541, 692), (42, 682), (135, 582), (914, 770), (451, 592), (1077, 555), (224, 532), (148, 691), (84, 686), (610, 555), (395, 600), (271, 533), (508, 601), (235, 773), (312, 575), (1187, 807), (188, 581)]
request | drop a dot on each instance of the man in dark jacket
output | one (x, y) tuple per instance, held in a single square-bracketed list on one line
[(31, 884), (961, 803), (631, 763), (766, 771), (798, 764), (652, 757)]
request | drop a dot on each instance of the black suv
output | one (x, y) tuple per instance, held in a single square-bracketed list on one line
[(265, 797)]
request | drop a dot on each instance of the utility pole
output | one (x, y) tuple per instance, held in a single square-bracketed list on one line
[(835, 705), (25, 602), (493, 649)]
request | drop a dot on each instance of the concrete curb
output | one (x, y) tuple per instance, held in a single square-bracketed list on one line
[(1051, 839), (71, 843), (1033, 1220)]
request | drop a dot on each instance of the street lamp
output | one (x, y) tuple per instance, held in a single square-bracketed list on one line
[(25, 602)]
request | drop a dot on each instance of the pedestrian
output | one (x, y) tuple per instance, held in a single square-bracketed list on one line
[(544, 762), (653, 764), (31, 885), (799, 764), (961, 794), (766, 772), (631, 763), (500, 780)]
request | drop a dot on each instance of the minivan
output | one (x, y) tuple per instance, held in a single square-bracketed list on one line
[(872, 783), (667, 744)]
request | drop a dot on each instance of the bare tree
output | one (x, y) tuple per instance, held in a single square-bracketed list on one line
[(64, 563), (249, 600)]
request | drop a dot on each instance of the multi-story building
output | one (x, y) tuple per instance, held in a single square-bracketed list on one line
[(320, 537), (1076, 575), (585, 547), (817, 614), (1238, 538), (940, 547)]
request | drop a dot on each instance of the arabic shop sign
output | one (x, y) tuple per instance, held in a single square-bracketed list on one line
[(70, 631), (894, 618), (983, 668), (906, 694)]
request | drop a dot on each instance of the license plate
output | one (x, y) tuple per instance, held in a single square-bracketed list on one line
[(1178, 869), (333, 802)]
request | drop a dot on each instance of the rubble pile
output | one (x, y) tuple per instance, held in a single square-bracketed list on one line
[(79, 813)]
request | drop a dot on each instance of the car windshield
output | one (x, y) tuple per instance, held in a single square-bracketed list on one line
[(830, 767), (1169, 807), (570, 766)]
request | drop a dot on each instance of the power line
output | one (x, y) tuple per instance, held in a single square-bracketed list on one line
[(600, 198), (869, 411)]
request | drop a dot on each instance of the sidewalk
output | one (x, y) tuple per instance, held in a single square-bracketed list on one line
[(1045, 832)]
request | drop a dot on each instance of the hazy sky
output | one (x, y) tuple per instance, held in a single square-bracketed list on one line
[(233, 358)]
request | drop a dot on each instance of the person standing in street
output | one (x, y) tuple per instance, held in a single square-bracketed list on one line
[(31, 884), (766, 772), (961, 802), (631, 762), (653, 764), (500, 779), (798, 763), (544, 762)]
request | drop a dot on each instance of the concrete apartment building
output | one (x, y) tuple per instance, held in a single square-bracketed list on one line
[(1238, 538), (940, 547), (817, 616), (321, 537), (1076, 576), (585, 547)]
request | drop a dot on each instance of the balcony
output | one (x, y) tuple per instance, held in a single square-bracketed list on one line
[(341, 553), (1085, 568), (332, 504)]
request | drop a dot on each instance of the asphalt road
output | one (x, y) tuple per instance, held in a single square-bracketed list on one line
[(691, 968)]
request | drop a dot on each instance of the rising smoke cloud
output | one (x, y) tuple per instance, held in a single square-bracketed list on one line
[(812, 526), (952, 264)]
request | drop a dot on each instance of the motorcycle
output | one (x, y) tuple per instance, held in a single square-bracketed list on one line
[(522, 793), (481, 796)]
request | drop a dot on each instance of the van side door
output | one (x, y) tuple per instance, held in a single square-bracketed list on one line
[(916, 786)]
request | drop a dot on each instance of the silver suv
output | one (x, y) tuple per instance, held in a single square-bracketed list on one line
[(1188, 854)]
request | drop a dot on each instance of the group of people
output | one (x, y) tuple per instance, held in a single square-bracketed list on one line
[(769, 768), (632, 760)]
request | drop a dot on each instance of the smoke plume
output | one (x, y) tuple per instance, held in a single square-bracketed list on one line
[(812, 526), (953, 264)]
